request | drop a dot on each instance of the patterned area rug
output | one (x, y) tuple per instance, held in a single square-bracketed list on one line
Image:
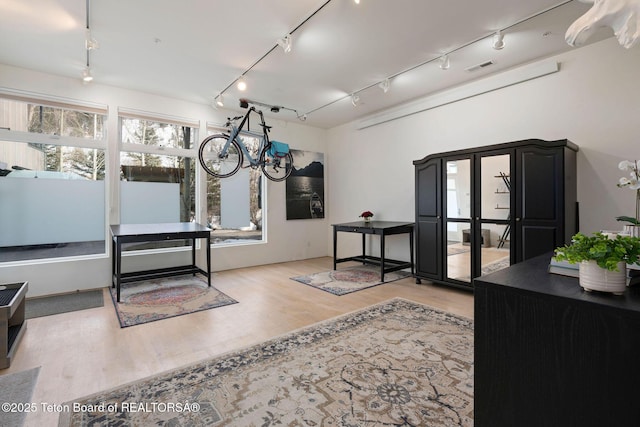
[(346, 280), (147, 301), (398, 363), (457, 248)]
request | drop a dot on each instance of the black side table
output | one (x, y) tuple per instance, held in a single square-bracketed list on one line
[(382, 229)]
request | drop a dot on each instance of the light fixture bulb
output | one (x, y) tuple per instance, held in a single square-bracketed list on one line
[(355, 100), (498, 40), (445, 63), (285, 43), (384, 85), (356, 1), (241, 85), (89, 42), (219, 101), (86, 75)]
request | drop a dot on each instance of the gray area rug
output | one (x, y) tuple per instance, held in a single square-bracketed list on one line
[(16, 389), (397, 363), (351, 279), (55, 304)]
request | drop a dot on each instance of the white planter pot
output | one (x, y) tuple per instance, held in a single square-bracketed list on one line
[(595, 278), (632, 230)]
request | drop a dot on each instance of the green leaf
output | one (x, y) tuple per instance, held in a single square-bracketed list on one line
[(629, 219)]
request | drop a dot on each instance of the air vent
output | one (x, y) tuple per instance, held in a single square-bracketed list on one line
[(479, 66)]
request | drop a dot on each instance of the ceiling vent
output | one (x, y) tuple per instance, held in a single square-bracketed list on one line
[(479, 66)]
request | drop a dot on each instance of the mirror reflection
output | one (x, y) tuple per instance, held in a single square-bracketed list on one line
[(458, 199)]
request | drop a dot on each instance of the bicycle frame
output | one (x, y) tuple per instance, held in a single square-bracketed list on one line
[(236, 131)]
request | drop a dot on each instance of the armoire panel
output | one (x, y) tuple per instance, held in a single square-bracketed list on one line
[(539, 177)]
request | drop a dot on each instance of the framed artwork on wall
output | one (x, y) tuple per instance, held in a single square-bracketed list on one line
[(305, 186)]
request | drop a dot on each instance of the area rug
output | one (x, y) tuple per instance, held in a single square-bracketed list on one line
[(351, 279), (397, 363), (56, 304), (151, 300), (15, 393), (457, 248), (499, 264)]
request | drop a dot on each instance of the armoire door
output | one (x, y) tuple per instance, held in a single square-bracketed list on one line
[(539, 201), (429, 221), (458, 235), (493, 225)]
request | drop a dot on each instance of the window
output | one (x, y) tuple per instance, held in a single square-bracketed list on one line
[(157, 173), (235, 204), (27, 115), (52, 170)]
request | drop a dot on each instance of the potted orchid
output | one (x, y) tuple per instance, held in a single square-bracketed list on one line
[(632, 183)]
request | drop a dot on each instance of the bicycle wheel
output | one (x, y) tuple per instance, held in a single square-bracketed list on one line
[(276, 168), (212, 160)]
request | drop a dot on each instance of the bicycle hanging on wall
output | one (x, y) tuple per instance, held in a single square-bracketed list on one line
[(222, 155)]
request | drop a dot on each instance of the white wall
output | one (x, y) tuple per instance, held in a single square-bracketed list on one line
[(594, 101), (59, 276)]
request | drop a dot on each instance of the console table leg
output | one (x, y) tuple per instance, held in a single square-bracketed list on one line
[(209, 260), (411, 251), (335, 246), (193, 254), (118, 256), (382, 257), (113, 261)]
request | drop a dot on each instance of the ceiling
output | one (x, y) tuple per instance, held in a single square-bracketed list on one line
[(195, 49)]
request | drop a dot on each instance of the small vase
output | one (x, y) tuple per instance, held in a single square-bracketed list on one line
[(367, 219), (595, 278)]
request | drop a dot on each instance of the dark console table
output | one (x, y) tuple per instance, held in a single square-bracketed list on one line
[(382, 229), (130, 233), (549, 354)]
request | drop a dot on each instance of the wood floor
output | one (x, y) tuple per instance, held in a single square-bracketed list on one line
[(86, 351)]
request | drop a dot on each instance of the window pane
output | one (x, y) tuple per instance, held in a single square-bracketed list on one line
[(35, 118), (56, 194), (234, 204), (156, 189), (147, 132)]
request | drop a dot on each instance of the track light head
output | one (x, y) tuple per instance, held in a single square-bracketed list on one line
[(285, 43), (89, 42), (355, 100), (219, 100), (385, 85), (498, 40), (86, 75), (445, 63), (241, 85)]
